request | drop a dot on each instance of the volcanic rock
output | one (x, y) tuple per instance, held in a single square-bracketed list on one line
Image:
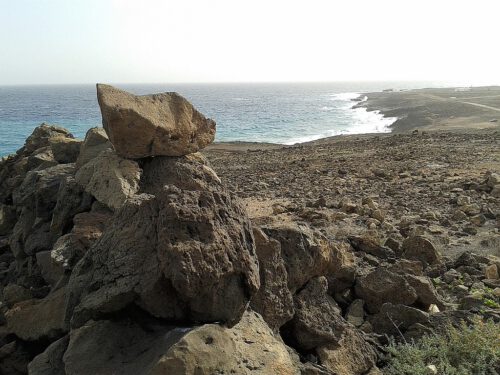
[(182, 251), (381, 286), (306, 253), (152, 125), (318, 320), (110, 178), (420, 248), (273, 300), (96, 141)]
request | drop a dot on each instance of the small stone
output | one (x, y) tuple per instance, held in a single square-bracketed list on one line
[(491, 272), (432, 369)]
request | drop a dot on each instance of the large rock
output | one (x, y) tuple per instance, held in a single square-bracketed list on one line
[(306, 253), (128, 348), (248, 348), (36, 199), (182, 251), (152, 125), (94, 143), (421, 249), (318, 320), (71, 200), (65, 149), (36, 319), (273, 300), (121, 347), (395, 319), (41, 137), (381, 286), (110, 178), (352, 355), (50, 362)]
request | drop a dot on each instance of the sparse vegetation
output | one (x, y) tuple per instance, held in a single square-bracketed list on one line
[(466, 350)]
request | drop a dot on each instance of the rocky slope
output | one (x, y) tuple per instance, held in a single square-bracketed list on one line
[(299, 260)]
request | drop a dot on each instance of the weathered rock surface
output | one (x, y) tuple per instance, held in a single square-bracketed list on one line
[(305, 252), (317, 320), (65, 149), (184, 251), (273, 300), (152, 125), (248, 348), (420, 248), (38, 319), (352, 355), (110, 178), (381, 286), (96, 141), (50, 361)]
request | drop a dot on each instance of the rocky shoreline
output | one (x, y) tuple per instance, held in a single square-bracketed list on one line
[(159, 259)]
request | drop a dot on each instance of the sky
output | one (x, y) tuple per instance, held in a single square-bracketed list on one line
[(169, 41)]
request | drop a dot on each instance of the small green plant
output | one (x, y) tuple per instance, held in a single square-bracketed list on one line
[(466, 350), (491, 303)]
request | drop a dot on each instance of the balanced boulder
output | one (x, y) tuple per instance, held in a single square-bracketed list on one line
[(152, 125), (182, 250)]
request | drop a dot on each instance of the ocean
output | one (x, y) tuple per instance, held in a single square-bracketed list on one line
[(284, 113)]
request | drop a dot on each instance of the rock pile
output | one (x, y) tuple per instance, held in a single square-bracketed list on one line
[(125, 253)]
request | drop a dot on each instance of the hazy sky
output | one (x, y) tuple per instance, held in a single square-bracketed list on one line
[(87, 41)]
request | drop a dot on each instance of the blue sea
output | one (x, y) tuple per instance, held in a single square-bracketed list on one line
[(285, 113)]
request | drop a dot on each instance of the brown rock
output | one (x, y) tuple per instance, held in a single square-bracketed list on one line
[(306, 253), (110, 178), (248, 348), (351, 356), (152, 125), (420, 248), (381, 286), (50, 361), (273, 300), (183, 251), (34, 319), (96, 141), (65, 149), (395, 319), (318, 320)]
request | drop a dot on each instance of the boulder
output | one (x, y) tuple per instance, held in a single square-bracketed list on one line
[(352, 355), (273, 300), (41, 137), (395, 319), (420, 248), (182, 251), (426, 293), (355, 313), (65, 149), (306, 253), (110, 178), (36, 199), (317, 320), (37, 319), (96, 141), (71, 200), (370, 244), (381, 286), (50, 362), (248, 348), (152, 125)]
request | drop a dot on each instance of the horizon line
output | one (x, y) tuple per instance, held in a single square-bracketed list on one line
[(246, 83)]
